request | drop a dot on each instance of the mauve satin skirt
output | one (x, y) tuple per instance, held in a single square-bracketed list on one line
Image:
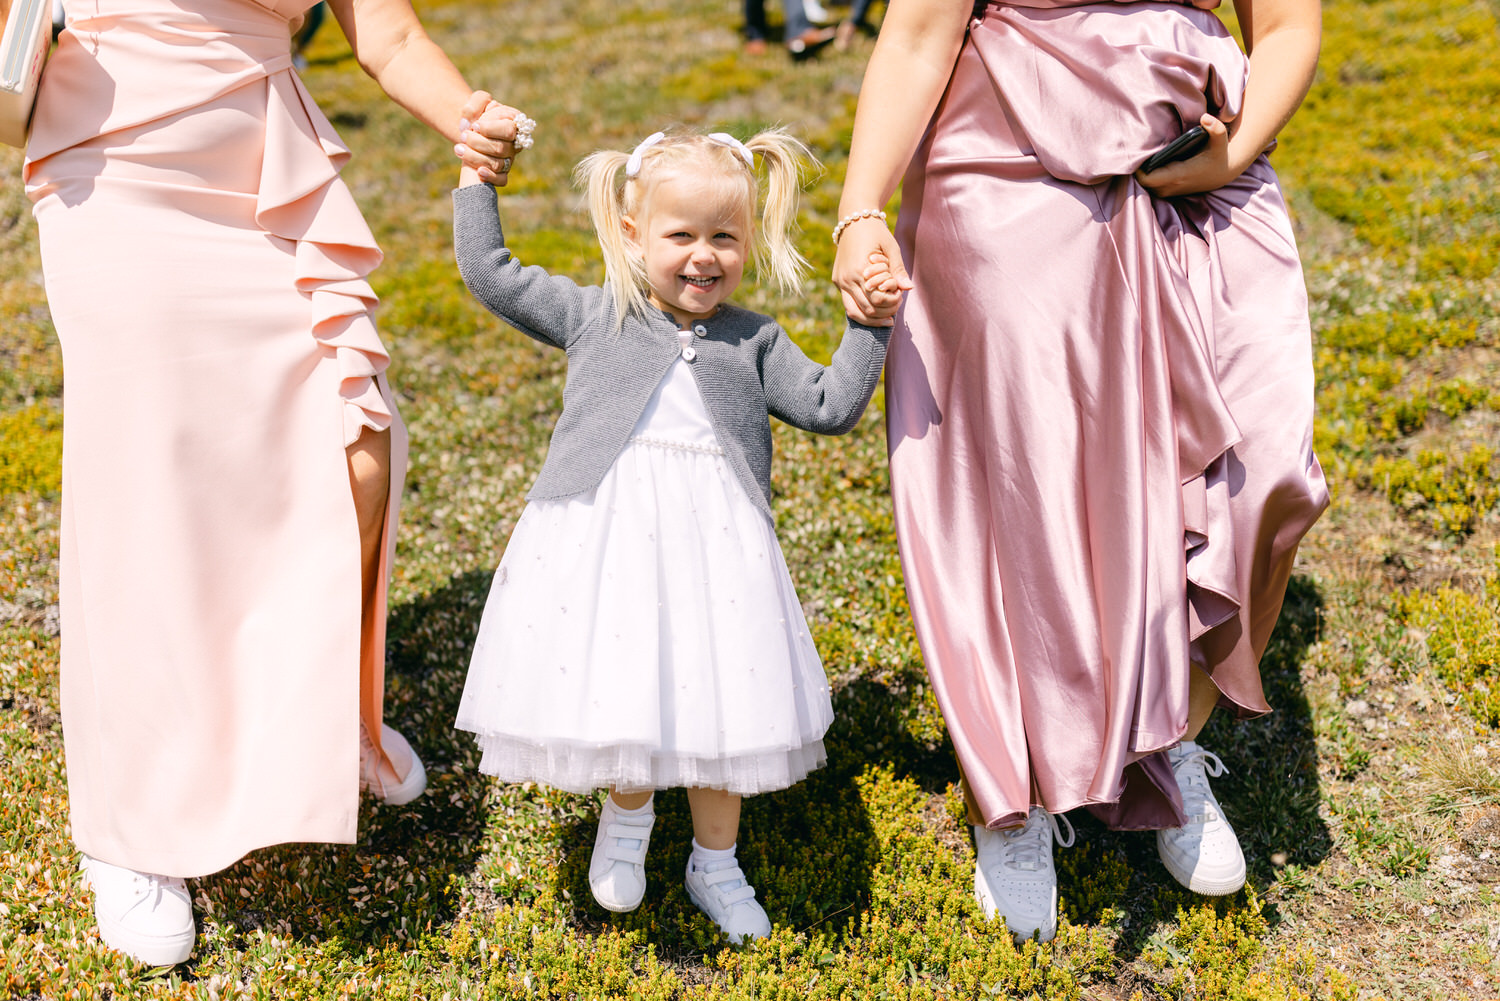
[(1099, 409)]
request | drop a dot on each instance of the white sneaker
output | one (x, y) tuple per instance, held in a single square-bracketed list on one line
[(380, 779), (816, 12), (1014, 877), (721, 891), (617, 869), (1203, 855), (147, 917)]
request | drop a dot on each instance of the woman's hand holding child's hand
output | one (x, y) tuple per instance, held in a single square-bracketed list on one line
[(882, 290), (490, 136), (867, 244)]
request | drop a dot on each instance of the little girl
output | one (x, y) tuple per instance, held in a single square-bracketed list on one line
[(642, 631)]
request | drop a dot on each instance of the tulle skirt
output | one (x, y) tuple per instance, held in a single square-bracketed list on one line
[(647, 635)]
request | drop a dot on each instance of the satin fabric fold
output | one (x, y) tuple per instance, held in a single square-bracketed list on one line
[(206, 272), (1099, 408)]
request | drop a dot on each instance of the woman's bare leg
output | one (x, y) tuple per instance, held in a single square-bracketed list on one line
[(1203, 696), (370, 480)]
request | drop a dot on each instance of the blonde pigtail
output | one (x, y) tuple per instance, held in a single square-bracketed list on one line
[(786, 162), (624, 271)]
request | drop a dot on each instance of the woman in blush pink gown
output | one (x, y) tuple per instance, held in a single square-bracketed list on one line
[(1099, 399), (232, 455)]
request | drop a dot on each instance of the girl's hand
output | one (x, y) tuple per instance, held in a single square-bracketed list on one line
[(487, 138), (881, 287), (866, 244), (1218, 164)]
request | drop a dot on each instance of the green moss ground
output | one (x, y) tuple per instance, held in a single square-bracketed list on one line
[(1369, 803)]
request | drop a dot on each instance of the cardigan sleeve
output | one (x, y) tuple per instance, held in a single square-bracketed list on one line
[(550, 308), (827, 399)]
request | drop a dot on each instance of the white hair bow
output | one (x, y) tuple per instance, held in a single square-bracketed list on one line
[(633, 165), (725, 139)]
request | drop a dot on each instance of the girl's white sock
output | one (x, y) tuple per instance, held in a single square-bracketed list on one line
[(713, 859)]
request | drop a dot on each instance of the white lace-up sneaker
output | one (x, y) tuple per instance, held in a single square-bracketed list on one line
[(1203, 855), (380, 779), (617, 869), (147, 917), (721, 891), (1014, 877)]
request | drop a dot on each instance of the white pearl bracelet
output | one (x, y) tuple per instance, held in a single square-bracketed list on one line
[(838, 230)]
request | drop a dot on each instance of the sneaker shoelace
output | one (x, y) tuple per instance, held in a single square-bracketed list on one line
[(1193, 770), (1026, 847), (145, 887), (150, 887)]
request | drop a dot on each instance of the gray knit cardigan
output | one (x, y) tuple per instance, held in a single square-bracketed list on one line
[(746, 366)]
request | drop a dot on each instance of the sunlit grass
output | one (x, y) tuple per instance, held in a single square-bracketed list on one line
[(478, 889)]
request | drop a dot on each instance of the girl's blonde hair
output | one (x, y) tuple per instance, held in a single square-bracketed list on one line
[(612, 197)]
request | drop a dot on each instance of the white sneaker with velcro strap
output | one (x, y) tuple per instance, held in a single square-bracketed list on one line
[(617, 870), (721, 891)]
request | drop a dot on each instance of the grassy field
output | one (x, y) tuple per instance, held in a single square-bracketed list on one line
[(1368, 804)]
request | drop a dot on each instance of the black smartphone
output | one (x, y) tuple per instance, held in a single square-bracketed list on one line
[(1190, 143)]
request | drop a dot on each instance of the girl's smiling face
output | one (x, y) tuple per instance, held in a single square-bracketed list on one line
[(693, 235)]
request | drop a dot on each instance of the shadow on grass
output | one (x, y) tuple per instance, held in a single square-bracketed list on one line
[(395, 882), (810, 850), (1269, 793)]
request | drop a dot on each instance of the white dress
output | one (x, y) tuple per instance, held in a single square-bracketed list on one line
[(647, 635)]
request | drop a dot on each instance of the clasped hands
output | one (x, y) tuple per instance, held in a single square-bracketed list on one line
[(490, 134), (869, 273)]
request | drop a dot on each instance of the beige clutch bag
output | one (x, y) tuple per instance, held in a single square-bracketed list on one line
[(23, 50)]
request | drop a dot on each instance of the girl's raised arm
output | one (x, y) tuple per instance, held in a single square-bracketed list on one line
[(913, 59)]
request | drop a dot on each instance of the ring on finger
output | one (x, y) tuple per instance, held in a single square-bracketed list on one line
[(505, 165)]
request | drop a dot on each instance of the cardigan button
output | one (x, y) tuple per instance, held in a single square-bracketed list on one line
[(688, 354), (700, 330)]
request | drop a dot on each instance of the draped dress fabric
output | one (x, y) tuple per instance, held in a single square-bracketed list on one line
[(1099, 407), (205, 268)]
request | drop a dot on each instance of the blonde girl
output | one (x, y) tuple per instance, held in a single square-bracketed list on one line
[(642, 631)]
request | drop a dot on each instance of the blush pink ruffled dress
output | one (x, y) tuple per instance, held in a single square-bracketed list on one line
[(205, 268), (1099, 407)]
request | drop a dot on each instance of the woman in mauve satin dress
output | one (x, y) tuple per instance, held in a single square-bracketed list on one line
[(232, 456), (1099, 401)]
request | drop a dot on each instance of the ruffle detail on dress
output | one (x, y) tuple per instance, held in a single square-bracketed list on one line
[(581, 768), (1211, 572), (302, 199), (1205, 429)]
